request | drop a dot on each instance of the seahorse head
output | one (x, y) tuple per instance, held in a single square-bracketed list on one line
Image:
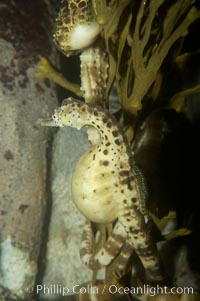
[(76, 27), (73, 113)]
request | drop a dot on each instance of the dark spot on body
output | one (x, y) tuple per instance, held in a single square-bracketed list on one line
[(124, 173), (122, 191), (135, 207), (125, 201), (95, 113), (105, 120), (94, 157), (105, 163), (134, 200), (134, 231), (115, 133), (105, 151), (81, 17), (109, 124), (108, 144), (66, 21), (83, 109), (127, 181), (82, 4), (8, 155), (72, 6), (117, 142)]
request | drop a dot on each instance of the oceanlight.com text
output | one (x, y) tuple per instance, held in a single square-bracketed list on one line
[(59, 290)]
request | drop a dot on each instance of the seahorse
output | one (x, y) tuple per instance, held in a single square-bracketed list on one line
[(106, 187)]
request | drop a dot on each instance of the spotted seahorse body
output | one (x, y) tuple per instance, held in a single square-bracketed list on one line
[(105, 185)]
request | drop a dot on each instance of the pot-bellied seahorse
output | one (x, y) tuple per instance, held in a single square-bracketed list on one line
[(106, 187)]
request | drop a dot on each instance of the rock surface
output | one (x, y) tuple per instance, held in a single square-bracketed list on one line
[(63, 262), (23, 163)]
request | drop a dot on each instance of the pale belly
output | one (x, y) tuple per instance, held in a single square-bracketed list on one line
[(93, 193)]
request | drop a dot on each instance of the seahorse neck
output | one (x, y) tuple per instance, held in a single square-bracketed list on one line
[(112, 137)]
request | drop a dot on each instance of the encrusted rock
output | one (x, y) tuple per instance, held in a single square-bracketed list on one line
[(23, 171), (63, 264)]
